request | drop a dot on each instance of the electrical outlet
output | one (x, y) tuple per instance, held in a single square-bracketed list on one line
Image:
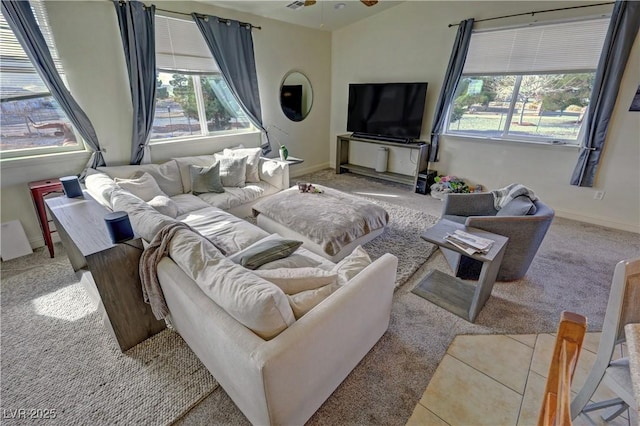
[(599, 195)]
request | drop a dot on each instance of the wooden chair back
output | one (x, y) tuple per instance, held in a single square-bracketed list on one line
[(556, 402), (623, 307)]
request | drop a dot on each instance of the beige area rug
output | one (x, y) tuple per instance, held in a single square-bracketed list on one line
[(402, 239), (56, 355)]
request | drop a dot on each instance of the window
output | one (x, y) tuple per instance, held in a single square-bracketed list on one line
[(192, 98), (32, 121), (529, 83)]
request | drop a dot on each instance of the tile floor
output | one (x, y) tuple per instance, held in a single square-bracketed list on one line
[(499, 380)]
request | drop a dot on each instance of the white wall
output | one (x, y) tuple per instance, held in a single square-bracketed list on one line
[(88, 39), (411, 42)]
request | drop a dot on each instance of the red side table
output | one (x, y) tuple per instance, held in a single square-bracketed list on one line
[(39, 189)]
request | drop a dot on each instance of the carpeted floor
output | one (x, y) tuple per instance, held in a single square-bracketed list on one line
[(572, 271), (399, 239), (56, 355)]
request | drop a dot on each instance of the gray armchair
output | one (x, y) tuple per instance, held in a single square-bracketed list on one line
[(525, 233)]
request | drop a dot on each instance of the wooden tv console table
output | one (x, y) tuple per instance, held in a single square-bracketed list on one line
[(108, 271), (419, 147)]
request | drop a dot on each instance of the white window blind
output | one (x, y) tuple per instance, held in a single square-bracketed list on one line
[(181, 47), (18, 77), (546, 48)]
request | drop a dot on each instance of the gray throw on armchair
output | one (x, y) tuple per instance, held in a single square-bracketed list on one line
[(525, 233)]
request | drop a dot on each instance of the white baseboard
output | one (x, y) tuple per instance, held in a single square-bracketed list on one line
[(297, 170), (597, 220)]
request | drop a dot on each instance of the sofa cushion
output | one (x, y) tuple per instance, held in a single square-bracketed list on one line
[(351, 265), (164, 205), (205, 179), (166, 175), (265, 251), (145, 220), (301, 258), (188, 203), (303, 302), (233, 170), (227, 231), (255, 303), (233, 197), (253, 161), (183, 164), (100, 186), (144, 187), (295, 280), (519, 206)]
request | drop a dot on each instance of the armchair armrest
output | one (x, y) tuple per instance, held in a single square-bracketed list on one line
[(474, 204)]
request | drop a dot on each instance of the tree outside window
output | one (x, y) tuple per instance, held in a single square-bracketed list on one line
[(185, 101), (544, 106)]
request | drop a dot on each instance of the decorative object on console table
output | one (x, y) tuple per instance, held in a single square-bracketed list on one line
[(119, 227), (71, 186), (39, 189), (419, 155), (382, 159), (284, 153), (108, 270)]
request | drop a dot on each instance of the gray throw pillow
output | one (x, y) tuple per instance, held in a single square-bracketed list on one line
[(265, 251), (519, 206), (233, 170), (205, 179)]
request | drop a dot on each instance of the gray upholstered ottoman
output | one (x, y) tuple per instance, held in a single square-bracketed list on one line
[(330, 223)]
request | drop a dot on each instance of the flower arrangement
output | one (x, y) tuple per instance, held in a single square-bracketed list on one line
[(448, 184)]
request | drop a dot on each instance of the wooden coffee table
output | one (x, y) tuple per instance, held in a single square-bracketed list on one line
[(457, 296)]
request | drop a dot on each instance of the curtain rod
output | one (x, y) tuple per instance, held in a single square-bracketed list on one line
[(244, 24), (536, 11)]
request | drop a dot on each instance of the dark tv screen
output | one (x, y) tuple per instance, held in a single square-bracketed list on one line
[(387, 109)]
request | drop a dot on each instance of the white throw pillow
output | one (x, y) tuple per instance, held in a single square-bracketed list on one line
[(167, 175), (296, 280), (164, 205), (303, 302), (144, 187), (100, 186), (351, 265), (233, 170), (253, 161)]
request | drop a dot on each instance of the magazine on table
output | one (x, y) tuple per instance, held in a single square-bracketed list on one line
[(469, 243)]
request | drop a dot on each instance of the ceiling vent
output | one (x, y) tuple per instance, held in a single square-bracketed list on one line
[(295, 5)]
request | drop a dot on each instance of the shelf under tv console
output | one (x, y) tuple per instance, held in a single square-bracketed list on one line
[(343, 165)]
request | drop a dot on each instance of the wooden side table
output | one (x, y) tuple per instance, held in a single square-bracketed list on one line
[(113, 268), (459, 297), (39, 189)]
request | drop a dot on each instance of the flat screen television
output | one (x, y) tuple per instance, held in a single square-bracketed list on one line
[(386, 110)]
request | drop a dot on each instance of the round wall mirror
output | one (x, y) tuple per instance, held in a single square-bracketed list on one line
[(296, 96)]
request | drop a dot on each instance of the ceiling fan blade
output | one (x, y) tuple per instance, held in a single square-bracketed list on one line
[(309, 2), (369, 3)]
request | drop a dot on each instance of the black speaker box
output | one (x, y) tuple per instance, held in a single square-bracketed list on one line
[(426, 178)]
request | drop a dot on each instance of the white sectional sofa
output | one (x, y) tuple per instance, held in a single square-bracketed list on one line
[(174, 180), (277, 362)]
